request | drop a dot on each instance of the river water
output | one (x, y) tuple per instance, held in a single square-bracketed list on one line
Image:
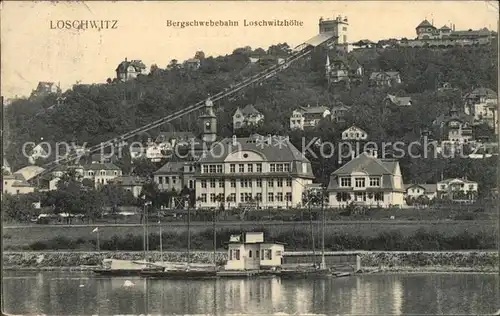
[(82, 293)]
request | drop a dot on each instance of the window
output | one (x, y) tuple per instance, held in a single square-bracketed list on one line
[(280, 183), (259, 167), (270, 183), (250, 168), (270, 197), (212, 168), (279, 197), (191, 184), (258, 197), (345, 182), (221, 183), (249, 253), (279, 167), (288, 182), (360, 182), (212, 183), (374, 182), (242, 197), (268, 254), (167, 179), (212, 197), (245, 183), (232, 168), (287, 167), (205, 168), (204, 197), (272, 168), (203, 183), (259, 183), (232, 197), (173, 179), (233, 183), (103, 173), (237, 254), (288, 196), (241, 168), (219, 168), (160, 180)]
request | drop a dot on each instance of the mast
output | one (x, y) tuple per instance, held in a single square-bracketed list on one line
[(323, 263), (161, 243), (311, 225), (215, 238), (144, 231), (189, 236)]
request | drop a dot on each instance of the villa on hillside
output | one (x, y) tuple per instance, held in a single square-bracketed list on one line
[(98, 173), (16, 184), (343, 70), (339, 112), (308, 117), (416, 191), (45, 88), (354, 133), (128, 70), (367, 181), (131, 184), (482, 104), (175, 175), (248, 116), (385, 78), (192, 64)]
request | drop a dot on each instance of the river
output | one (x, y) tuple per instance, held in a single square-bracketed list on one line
[(82, 293)]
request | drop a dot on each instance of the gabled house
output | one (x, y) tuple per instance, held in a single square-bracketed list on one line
[(367, 181), (128, 70), (16, 184), (175, 175), (354, 133), (398, 101), (415, 191), (248, 116), (457, 189), (365, 44), (385, 79), (131, 184), (343, 69), (38, 152), (174, 138), (308, 117), (455, 127)]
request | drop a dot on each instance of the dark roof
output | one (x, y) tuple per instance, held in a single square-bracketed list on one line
[(482, 92), (249, 110), (445, 27), (172, 167), (128, 180), (313, 109), (426, 187), (92, 166), (382, 74), (275, 148), (425, 23), (167, 136)]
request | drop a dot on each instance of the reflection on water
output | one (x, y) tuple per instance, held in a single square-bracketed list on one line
[(82, 293)]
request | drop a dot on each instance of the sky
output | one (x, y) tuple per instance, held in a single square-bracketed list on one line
[(33, 51)]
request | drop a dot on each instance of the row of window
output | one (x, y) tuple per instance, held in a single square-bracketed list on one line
[(250, 168), (246, 183), (359, 182), (247, 197), (265, 254), (92, 173)]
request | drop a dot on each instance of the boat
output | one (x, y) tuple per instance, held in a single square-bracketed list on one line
[(180, 274), (115, 267)]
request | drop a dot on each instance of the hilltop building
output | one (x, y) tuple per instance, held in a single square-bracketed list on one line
[(367, 181), (128, 70), (339, 28), (248, 116), (446, 36), (308, 117), (385, 78), (45, 88)]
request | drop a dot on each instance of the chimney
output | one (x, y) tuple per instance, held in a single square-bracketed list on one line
[(453, 28), (125, 58)]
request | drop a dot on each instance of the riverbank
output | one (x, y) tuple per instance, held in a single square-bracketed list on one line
[(371, 261)]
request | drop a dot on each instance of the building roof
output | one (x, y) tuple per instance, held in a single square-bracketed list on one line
[(319, 39), (425, 23), (92, 166), (354, 129), (447, 181), (482, 92), (137, 64), (426, 187), (29, 172), (128, 180), (167, 136), (275, 148), (445, 28), (402, 101), (172, 167), (249, 110), (313, 109), (382, 74)]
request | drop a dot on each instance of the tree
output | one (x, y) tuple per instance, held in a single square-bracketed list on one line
[(143, 167), (199, 55)]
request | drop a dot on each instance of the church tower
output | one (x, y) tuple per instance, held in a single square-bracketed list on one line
[(209, 120)]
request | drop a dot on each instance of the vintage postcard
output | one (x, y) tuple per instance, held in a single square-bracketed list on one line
[(249, 157)]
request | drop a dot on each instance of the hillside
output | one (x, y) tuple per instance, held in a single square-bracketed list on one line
[(94, 113)]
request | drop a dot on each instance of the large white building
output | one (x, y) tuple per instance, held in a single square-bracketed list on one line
[(367, 181), (258, 171), (98, 173)]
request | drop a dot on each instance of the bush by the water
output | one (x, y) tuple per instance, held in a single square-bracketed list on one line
[(389, 241)]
